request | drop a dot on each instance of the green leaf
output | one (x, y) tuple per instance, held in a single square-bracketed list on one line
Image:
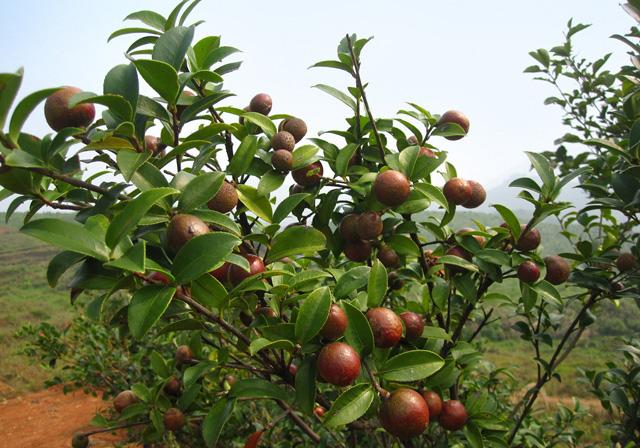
[(151, 108), (127, 220), (494, 256), (67, 235), (270, 181), (9, 86), (351, 280), (543, 168), (215, 421), (262, 121), (264, 344), (193, 373), (346, 99), (24, 109), (350, 405), (403, 245), (172, 46), (161, 76), (124, 31), (473, 435), (203, 103), (457, 261), (313, 314), (343, 159), (286, 206), (259, 205), (435, 333), (257, 388), (296, 240), (413, 365), (130, 161), (510, 219), (306, 385), (200, 190), (117, 104), (333, 64), (147, 305), (218, 219), (60, 264), (358, 333), (23, 159), (151, 18), (303, 156), (243, 156), (433, 193), (378, 283), (133, 260), (208, 291), (201, 254)]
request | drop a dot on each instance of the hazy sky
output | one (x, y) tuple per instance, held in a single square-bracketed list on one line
[(463, 54)]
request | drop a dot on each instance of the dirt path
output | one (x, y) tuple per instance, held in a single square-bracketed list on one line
[(49, 418)]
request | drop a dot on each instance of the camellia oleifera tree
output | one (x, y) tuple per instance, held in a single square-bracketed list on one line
[(602, 110), (340, 314)]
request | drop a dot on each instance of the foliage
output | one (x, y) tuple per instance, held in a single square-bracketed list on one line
[(242, 281)]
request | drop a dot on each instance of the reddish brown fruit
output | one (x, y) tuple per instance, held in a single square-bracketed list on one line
[(238, 274), (457, 191), (338, 364), (154, 144), (528, 272), (453, 415), (282, 160), (230, 380), (528, 241), (391, 188), (412, 140), (358, 250), (404, 414), (424, 151), (369, 225), (558, 269), (349, 227), (261, 103), (183, 228), (283, 140), (434, 403), (293, 369), (336, 323), (173, 387), (319, 411), (225, 199), (309, 175), (296, 127), (59, 115), (457, 117), (222, 273), (386, 327), (265, 311), (173, 419), (388, 257), (253, 440), (478, 195), (123, 400), (159, 277), (184, 355), (413, 325), (626, 262)]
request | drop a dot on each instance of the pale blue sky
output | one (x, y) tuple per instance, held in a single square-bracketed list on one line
[(466, 55)]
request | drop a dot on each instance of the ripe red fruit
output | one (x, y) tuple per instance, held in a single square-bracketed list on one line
[(349, 227), (309, 175), (528, 272), (238, 274), (265, 311), (183, 228), (225, 199), (173, 386), (388, 257), (391, 188), (457, 117), (261, 103), (369, 225), (424, 151), (358, 250), (413, 325), (184, 355), (319, 411), (295, 126), (293, 369), (626, 262), (453, 415), (336, 323), (123, 400), (282, 160), (404, 414), (338, 364), (173, 419), (222, 273), (478, 195), (457, 191), (434, 403), (159, 277), (528, 241), (253, 440), (283, 140), (558, 269), (386, 327), (59, 115)]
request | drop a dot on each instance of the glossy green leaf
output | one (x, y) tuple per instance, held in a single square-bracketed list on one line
[(60, 264), (161, 76), (377, 285), (306, 385), (24, 109), (262, 121), (201, 254), (297, 240), (200, 190), (303, 156), (350, 405), (358, 333), (269, 182), (313, 314), (413, 365), (9, 86), (215, 421), (115, 103), (287, 205), (259, 205), (265, 344), (147, 306), (257, 388), (351, 280), (172, 46), (133, 260), (457, 261), (243, 156), (346, 99), (130, 161)]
